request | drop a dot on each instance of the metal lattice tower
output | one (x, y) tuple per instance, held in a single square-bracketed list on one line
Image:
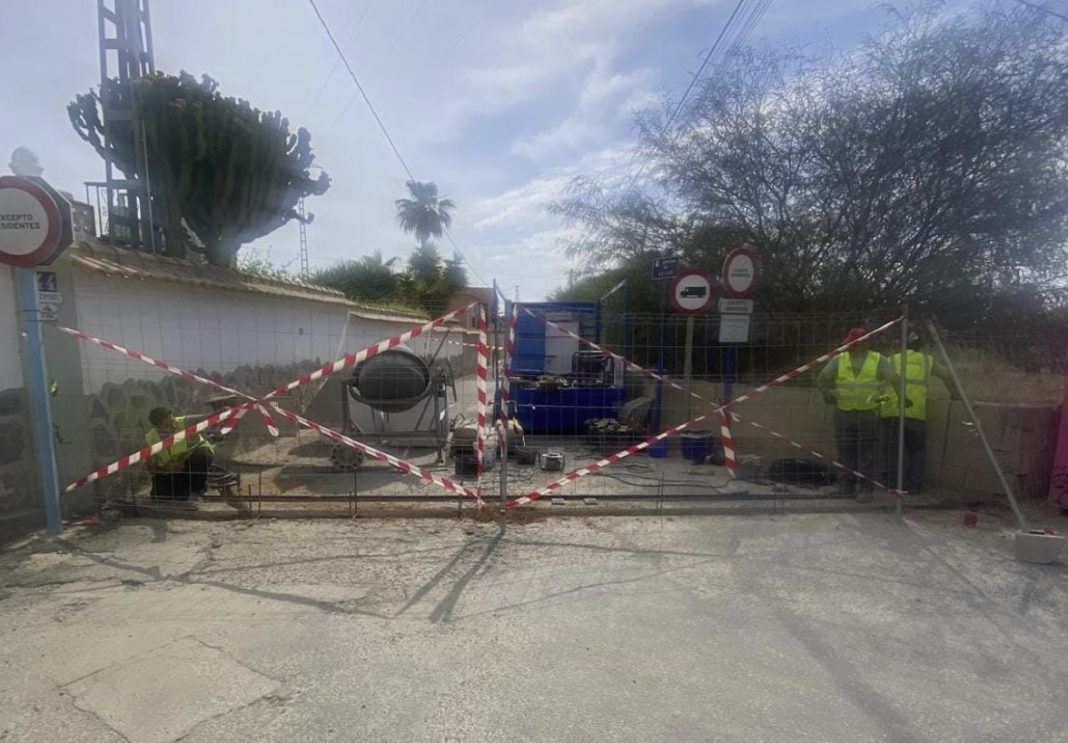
[(303, 240), (125, 34)]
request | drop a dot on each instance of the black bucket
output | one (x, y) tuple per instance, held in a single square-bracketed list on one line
[(526, 455), (465, 465)]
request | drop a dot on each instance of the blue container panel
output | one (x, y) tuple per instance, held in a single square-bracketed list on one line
[(566, 410), (529, 354)]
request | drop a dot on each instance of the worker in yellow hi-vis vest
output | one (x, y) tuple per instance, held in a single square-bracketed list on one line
[(853, 382), (179, 472), (920, 366)]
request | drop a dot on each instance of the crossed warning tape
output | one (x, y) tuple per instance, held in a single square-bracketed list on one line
[(611, 459), (345, 361)]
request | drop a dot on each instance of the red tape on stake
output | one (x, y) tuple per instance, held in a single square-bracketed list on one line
[(327, 369), (728, 442), (602, 463), (481, 379)]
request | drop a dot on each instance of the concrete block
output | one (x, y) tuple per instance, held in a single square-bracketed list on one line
[(1038, 547)]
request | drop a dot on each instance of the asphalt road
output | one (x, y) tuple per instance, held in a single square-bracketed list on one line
[(805, 627)]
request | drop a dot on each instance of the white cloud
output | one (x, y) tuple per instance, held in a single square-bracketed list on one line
[(548, 45), (604, 100)]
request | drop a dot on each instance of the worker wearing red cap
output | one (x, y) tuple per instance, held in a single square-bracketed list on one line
[(854, 383)]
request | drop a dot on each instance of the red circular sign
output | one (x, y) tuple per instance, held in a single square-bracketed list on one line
[(740, 272), (692, 291), (31, 225)]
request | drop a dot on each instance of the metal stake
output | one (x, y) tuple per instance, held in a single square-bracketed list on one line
[(1021, 519), (902, 401)]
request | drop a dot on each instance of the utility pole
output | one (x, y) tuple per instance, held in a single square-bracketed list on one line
[(303, 240), (125, 28)]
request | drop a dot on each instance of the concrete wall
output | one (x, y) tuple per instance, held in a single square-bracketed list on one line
[(1023, 435), (18, 474), (10, 361)]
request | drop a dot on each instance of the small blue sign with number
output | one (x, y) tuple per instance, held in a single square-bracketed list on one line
[(665, 268), (46, 281)]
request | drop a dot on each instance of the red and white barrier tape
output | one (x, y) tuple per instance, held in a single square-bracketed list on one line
[(602, 463), (823, 457), (725, 433), (400, 464), (213, 420), (272, 427), (481, 380), (728, 442), (406, 467)]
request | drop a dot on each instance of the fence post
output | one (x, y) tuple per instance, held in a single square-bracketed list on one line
[(37, 385), (902, 401)]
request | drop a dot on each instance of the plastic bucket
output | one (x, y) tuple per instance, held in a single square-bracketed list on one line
[(465, 465), (698, 446), (659, 450)]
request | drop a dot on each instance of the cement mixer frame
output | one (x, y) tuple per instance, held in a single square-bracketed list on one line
[(405, 421)]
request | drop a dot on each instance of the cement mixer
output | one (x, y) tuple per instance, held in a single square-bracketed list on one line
[(394, 399)]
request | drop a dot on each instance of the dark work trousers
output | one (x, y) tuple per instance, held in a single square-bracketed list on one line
[(856, 433), (191, 479), (915, 452)]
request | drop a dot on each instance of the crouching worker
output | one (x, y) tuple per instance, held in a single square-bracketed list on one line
[(179, 472)]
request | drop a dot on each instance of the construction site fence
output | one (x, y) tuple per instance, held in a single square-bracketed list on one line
[(783, 442)]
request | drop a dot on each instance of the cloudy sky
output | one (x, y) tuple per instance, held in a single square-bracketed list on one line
[(500, 102)]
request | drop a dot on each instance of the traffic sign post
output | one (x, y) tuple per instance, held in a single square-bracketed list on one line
[(739, 277), (35, 228), (691, 294)]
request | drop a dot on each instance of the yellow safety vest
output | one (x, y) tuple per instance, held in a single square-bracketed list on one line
[(917, 375), (179, 450), (860, 391)]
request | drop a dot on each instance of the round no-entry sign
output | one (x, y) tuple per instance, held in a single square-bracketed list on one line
[(691, 292), (740, 272), (31, 223)]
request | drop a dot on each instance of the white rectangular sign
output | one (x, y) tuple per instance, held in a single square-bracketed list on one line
[(52, 297), (734, 328), (735, 306), (47, 311)]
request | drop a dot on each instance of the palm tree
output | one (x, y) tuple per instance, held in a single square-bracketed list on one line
[(424, 213)]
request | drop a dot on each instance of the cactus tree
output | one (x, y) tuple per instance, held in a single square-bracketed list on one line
[(226, 171)]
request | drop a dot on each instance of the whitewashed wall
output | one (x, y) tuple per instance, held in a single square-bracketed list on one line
[(211, 330), (10, 358)]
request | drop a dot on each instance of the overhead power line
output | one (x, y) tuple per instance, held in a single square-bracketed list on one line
[(337, 62), (359, 87), (756, 13), (382, 125)]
